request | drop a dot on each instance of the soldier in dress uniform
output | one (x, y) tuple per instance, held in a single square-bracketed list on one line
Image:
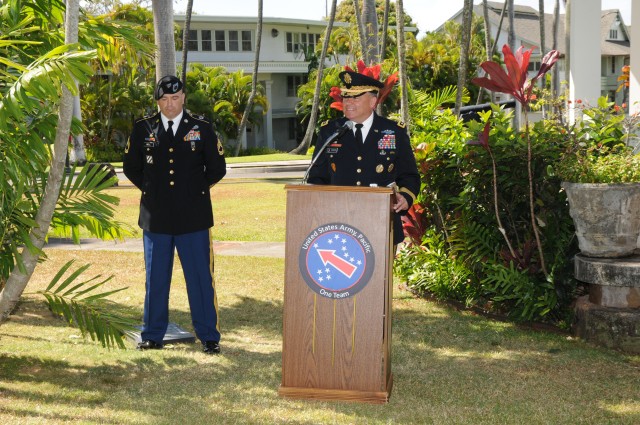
[(376, 153), (175, 158)]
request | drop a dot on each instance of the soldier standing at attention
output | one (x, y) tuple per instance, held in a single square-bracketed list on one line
[(174, 159), (377, 152)]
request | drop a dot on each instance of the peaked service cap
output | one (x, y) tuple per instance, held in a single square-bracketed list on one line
[(355, 83)]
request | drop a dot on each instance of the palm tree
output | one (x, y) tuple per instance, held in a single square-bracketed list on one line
[(362, 36), (385, 29), (19, 277), (543, 48), (467, 15), (254, 82), (402, 65), (370, 24), (185, 39), (164, 36), (554, 46), (308, 136), (36, 105)]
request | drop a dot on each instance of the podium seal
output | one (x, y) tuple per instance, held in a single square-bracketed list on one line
[(336, 260)]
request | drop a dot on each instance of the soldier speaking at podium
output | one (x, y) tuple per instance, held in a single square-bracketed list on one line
[(174, 158), (376, 152)]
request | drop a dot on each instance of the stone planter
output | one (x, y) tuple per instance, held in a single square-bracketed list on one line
[(606, 217)]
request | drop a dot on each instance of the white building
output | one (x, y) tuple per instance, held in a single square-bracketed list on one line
[(613, 35), (230, 42)]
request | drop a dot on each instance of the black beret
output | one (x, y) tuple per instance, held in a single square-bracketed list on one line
[(168, 85), (356, 83)]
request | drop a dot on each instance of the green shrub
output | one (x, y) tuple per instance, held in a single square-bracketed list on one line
[(463, 255)]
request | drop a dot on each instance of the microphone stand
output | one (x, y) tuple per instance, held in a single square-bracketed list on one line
[(346, 126)]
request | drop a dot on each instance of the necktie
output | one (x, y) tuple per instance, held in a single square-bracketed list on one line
[(170, 129), (359, 133)]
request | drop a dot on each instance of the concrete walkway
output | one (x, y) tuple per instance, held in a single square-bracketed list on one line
[(251, 249)]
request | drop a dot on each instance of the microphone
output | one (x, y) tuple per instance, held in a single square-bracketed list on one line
[(335, 136)]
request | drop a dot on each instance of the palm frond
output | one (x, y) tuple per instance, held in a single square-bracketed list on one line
[(82, 204), (82, 307)]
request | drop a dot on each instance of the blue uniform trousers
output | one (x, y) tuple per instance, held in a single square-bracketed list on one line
[(196, 255)]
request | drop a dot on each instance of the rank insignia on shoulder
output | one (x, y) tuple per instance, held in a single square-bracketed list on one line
[(401, 124), (220, 148), (324, 123)]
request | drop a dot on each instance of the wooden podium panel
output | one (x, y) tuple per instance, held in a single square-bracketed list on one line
[(336, 345)]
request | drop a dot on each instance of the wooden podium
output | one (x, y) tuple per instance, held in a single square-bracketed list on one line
[(337, 295)]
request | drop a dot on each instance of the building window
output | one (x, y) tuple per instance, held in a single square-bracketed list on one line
[(192, 42), (246, 41), (613, 65), (293, 82), (206, 40), (613, 34), (220, 40), (533, 66), (234, 45), (304, 41), (293, 42), (292, 129)]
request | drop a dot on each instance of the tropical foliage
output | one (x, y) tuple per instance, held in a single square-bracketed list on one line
[(37, 64), (461, 253), (222, 97)]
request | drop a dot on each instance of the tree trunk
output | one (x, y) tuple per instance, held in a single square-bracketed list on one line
[(383, 41), (556, 69), (385, 30), (404, 98), (495, 42), (370, 20), (487, 46), (185, 40), (567, 38), (163, 32), (308, 136), (467, 14), (517, 116), (543, 41), (17, 281), (77, 155), (360, 26), (512, 30), (254, 81)]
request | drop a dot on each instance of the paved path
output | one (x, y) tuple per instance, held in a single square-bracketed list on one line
[(252, 249)]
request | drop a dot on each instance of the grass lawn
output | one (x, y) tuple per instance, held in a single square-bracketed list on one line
[(449, 367), (242, 210)]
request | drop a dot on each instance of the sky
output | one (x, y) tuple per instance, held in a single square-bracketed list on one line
[(428, 14)]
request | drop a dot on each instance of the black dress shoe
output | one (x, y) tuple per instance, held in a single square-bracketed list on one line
[(148, 344), (211, 347)]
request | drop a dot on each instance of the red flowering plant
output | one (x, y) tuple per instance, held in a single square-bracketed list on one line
[(513, 81), (371, 71)]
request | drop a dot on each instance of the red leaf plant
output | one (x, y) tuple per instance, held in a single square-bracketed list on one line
[(514, 81), (373, 72), (414, 223)]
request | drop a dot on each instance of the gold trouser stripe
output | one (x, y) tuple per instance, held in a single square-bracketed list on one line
[(213, 279), (313, 339)]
